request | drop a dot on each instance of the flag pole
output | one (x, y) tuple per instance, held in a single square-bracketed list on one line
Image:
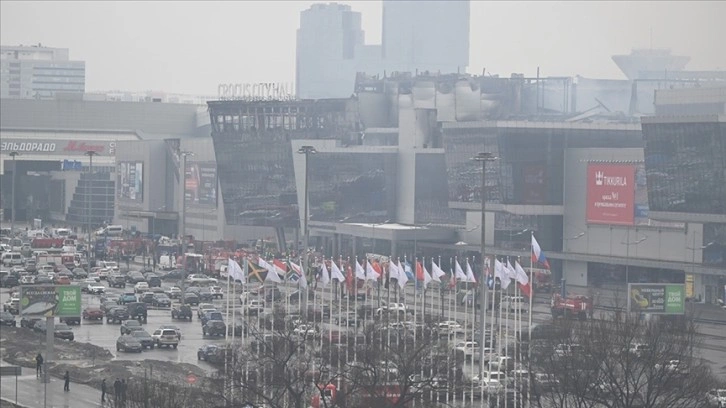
[(226, 335), (531, 297)]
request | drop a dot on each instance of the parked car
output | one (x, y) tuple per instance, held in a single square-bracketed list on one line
[(130, 325), (127, 344), (200, 279), (181, 312), (27, 279), (161, 300), (214, 328), (117, 281), (7, 319), (143, 337), (174, 292), (190, 298), (147, 297), (95, 288), (141, 287), (117, 315), (205, 295), (255, 307), (12, 305), (127, 298), (210, 352), (9, 281), (92, 313), (211, 315), (63, 331), (137, 311), (71, 320), (204, 308), (62, 280), (166, 337), (217, 292), (29, 322), (172, 327)]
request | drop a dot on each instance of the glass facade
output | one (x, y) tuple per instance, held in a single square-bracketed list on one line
[(686, 167), (254, 154)]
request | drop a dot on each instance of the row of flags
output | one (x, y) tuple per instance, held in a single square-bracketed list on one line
[(264, 271)]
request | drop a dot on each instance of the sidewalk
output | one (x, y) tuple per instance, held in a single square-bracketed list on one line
[(33, 393)]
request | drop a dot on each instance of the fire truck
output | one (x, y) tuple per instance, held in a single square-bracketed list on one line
[(571, 306)]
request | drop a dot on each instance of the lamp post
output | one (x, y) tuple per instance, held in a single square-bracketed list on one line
[(378, 284), (693, 250), (183, 182), (572, 238), (307, 151), (12, 203), (89, 189), (483, 157), (627, 243)]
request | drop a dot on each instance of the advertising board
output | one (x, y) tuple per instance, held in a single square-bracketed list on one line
[(66, 147), (657, 298), (535, 187), (50, 300), (200, 184), (610, 194), (130, 185)]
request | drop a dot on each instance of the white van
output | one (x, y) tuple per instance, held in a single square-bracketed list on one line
[(12, 259), (62, 233), (111, 230)]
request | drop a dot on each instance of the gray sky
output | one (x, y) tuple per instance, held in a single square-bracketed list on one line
[(190, 47)]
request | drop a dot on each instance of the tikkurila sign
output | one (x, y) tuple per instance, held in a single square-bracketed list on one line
[(610, 194)]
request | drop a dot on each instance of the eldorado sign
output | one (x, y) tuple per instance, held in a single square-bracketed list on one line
[(50, 300), (610, 194)]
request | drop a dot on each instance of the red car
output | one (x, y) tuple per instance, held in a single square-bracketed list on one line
[(62, 280), (92, 313)]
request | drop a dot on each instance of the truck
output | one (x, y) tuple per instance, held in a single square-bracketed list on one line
[(48, 244), (571, 306)]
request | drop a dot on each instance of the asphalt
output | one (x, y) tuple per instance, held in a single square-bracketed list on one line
[(33, 393)]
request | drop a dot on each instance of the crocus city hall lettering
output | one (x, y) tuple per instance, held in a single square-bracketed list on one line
[(266, 91)]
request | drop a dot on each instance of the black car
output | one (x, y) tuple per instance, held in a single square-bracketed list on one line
[(174, 274), (211, 353), (43, 280), (71, 320), (154, 280), (137, 310), (212, 315), (117, 315), (63, 331), (108, 305), (238, 329), (205, 295), (214, 328), (161, 300), (144, 338), (9, 281), (127, 344), (117, 281), (7, 319), (147, 297), (40, 326), (29, 322), (135, 277), (129, 326), (190, 298), (181, 312)]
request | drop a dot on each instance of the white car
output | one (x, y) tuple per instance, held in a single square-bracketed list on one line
[(392, 307), (27, 280), (469, 348), (449, 325), (96, 288), (305, 330), (200, 278), (513, 303), (141, 287)]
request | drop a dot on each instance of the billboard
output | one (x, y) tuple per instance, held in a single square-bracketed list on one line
[(50, 300), (610, 194), (657, 298), (534, 183), (200, 184), (130, 185), (59, 147)]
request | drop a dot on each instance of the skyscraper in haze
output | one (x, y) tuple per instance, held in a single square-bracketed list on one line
[(426, 36), (417, 35), (39, 72)]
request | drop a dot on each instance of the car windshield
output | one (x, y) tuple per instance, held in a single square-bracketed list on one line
[(133, 323), (140, 333), (62, 326)]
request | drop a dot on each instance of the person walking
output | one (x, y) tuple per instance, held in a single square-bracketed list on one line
[(38, 365), (123, 392), (67, 379), (117, 391), (103, 390)]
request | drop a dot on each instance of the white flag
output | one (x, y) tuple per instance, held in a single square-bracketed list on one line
[(511, 271), (460, 275), (402, 275), (324, 276), (427, 276), (393, 271), (371, 273), (501, 273), (360, 273), (272, 275), (235, 271), (335, 272), (522, 277), (437, 272), (303, 281), (469, 273)]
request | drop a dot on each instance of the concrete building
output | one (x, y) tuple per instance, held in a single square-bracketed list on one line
[(38, 72)]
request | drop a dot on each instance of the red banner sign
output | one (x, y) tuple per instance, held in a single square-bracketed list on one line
[(611, 194)]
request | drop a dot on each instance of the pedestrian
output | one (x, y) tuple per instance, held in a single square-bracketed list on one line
[(67, 379), (38, 365), (117, 391), (123, 391), (103, 390)]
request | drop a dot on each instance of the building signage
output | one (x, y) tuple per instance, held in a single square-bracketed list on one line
[(200, 184), (610, 194), (130, 181), (50, 300), (265, 91), (72, 165), (57, 146), (657, 298)]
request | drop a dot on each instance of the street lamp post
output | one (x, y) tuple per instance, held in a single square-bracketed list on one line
[(572, 238), (12, 203), (483, 157), (693, 250), (627, 243), (307, 151), (183, 182), (89, 189)]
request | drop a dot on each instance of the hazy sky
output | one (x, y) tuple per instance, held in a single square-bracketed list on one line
[(190, 47)]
